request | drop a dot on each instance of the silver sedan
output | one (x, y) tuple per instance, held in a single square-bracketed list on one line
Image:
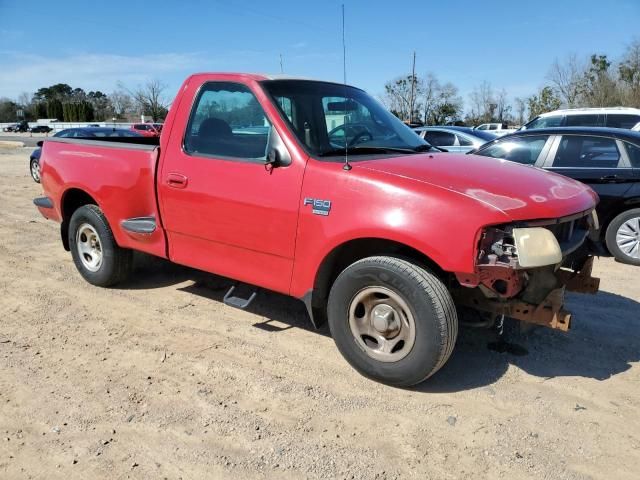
[(455, 139)]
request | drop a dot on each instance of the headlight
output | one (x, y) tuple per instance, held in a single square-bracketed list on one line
[(536, 247)]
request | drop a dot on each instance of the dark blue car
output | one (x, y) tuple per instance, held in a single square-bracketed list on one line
[(88, 132)]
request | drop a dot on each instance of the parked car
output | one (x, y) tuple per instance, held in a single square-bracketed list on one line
[(606, 159), (17, 127), (497, 128), (614, 117), (455, 139), (41, 129), (147, 129), (34, 158), (380, 236)]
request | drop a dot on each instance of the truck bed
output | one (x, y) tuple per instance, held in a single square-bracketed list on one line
[(112, 167)]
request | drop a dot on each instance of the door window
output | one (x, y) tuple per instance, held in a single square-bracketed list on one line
[(622, 121), (634, 154), (524, 150), (587, 152), (545, 122), (440, 139), (227, 121), (463, 141)]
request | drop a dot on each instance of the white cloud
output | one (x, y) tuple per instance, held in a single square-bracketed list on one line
[(25, 72)]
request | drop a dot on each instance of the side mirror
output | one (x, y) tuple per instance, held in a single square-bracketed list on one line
[(39, 143), (277, 155)]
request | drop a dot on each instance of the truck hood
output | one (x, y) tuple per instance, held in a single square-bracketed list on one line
[(519, 191)]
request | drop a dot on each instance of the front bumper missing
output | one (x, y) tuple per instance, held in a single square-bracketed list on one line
[(549, 312)]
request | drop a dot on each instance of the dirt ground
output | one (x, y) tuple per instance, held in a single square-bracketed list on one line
[(159, 379)]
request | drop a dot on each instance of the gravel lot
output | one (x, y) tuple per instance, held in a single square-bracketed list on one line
[(159, 379)]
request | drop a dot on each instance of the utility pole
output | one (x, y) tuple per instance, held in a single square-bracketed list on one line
[(413, 88), (281, 67)]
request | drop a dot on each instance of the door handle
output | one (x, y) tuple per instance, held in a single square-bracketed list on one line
[(611, 178), (177, 180)]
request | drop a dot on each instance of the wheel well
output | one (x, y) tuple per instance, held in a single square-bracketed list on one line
[(352, 251), (72, 199)]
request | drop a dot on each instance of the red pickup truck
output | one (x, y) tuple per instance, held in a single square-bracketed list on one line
[(374, 229)]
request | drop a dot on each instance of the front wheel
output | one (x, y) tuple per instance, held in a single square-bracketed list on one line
[(623, 237), (94, 250), (392, 320)]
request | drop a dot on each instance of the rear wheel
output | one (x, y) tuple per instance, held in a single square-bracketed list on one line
[(95, 253), (34, 169), (392, 320), (623, 237)]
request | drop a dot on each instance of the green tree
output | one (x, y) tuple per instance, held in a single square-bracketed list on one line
[(54, 109), (545, 101)]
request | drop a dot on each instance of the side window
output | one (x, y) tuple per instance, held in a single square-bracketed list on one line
[(464, 141), (584, 152), (615, 120), (483, 127), (586, 120), (440, 139), (546, 122), (227, 121), (634, 154), (524, 150)]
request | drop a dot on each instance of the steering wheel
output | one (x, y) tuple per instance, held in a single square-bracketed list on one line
[(360, 137)]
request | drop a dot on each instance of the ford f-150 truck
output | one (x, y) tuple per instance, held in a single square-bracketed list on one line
[(374, 229)]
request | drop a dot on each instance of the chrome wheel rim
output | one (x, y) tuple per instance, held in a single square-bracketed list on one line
[(35, 171), (89, 247), (382, 324), (628, 237)]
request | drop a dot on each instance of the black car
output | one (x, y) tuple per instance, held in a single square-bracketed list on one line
[(34, 159), (606, 159), (41, 129)]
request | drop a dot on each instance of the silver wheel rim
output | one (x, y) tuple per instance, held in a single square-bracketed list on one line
[(35, 170), (628, 237), (89, 247), (382, 324)]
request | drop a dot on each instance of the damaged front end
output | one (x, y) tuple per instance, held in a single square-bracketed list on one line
[(523, 269)]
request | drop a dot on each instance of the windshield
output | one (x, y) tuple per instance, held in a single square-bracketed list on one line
[(328, 118)]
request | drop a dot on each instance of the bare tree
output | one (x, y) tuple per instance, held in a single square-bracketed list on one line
[(521, 109), (151, 100), (503, 109), (483, 103), (401, 96), (121, 101), (567, 77)]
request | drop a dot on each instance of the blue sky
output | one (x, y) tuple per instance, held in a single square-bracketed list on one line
[(511, 44)]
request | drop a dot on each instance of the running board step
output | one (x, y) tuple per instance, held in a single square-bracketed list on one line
[(237, 301)]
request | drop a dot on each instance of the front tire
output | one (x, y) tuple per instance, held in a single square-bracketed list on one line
[(392, 320), (623, 237), (34, 169), (94, 250)]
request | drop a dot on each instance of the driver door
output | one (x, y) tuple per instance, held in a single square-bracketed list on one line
[(223, 211)]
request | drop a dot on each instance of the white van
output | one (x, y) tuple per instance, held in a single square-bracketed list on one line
[(615, 117)]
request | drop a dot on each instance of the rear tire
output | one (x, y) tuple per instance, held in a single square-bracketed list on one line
[(392, 320), (94, 250), (34, 169), (623, 237)]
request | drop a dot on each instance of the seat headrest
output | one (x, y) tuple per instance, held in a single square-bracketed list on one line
[(214, 128)]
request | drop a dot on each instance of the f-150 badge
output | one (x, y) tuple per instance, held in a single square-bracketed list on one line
[(319, 207)]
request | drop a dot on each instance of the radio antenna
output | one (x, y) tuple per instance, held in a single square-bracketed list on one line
[(347, 165)]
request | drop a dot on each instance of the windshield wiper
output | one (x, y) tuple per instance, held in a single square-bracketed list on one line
[(364, 151)]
